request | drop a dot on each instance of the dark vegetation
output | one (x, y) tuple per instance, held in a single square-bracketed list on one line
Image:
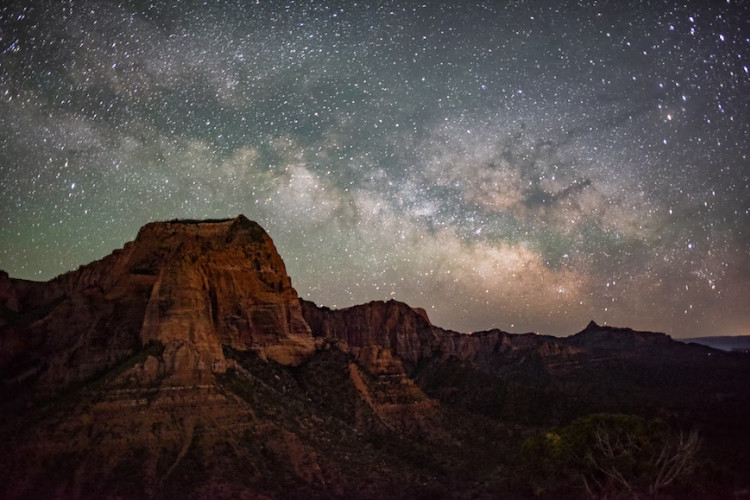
[(649, 398), (613, 456)]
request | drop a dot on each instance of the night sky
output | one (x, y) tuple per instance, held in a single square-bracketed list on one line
[(523, 165)]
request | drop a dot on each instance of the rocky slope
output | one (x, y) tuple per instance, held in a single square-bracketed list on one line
[(184, 365)]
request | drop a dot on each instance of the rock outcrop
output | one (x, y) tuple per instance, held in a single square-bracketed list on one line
[(220, 283), (190, 286), (410, 336), (392, 325)]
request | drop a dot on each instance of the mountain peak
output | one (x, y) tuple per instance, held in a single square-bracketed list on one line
[(592, 326)]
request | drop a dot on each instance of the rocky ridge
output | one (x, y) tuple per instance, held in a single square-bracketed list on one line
[(408, 333)]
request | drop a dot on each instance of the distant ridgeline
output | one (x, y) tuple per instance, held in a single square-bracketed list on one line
[(738, 343)]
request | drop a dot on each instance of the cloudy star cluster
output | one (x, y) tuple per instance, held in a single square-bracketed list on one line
[(521, 165)]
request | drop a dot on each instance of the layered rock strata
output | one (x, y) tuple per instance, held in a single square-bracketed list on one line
[(190, 286), (410, 336)]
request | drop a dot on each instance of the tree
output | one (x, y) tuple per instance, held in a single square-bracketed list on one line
[(616, 456), (544, 463)]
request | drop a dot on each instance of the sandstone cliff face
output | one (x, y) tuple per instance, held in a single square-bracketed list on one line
[(391, 325), (218, 284), (191, 286), (408, 334)]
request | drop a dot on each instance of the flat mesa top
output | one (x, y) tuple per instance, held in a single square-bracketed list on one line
[(200, 221)]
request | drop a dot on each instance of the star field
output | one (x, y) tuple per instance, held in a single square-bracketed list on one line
[(525, 165)]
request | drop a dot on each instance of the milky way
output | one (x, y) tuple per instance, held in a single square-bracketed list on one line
[(520, 165)]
